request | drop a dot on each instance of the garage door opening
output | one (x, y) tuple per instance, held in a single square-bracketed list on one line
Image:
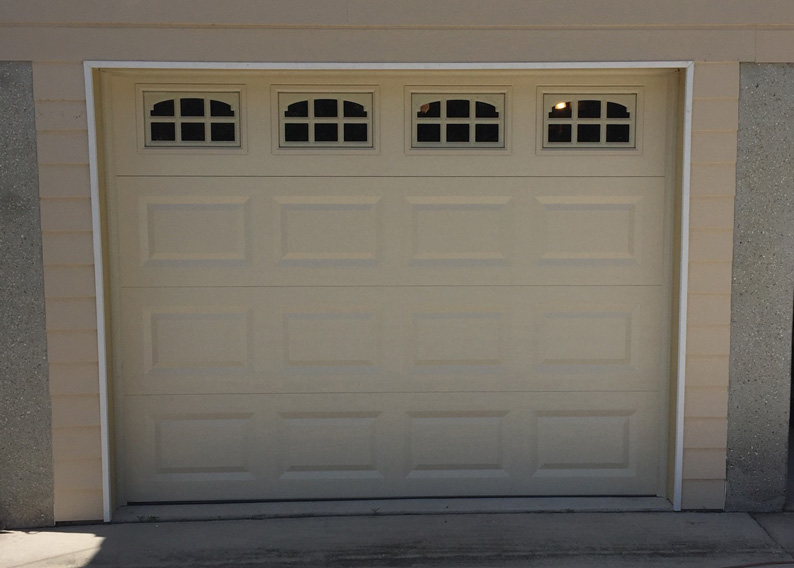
[(389, 284)]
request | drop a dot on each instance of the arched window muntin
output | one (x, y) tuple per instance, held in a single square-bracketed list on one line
[(326, 119), (189, 119), (589, 120), (457, 120)]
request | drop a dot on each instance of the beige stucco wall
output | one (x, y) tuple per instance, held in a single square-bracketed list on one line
[(713, 32)]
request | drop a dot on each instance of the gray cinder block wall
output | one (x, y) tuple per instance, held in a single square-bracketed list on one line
[(26, 470), (763, 289)]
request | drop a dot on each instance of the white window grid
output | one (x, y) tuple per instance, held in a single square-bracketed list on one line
[(285, 99), (497, 100), (151, 98), (551, 100)]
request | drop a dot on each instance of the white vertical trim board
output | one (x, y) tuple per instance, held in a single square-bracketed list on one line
[(686, 177), (99, 281), (90, 66)]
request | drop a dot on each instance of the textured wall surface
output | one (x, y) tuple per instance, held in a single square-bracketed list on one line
[(763, 288), (26, 472)]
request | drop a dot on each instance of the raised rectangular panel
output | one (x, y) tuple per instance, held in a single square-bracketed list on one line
[(457, 444), (197, 339), (585, 337), (203, 444), (327, 229), (593, 229), (196, 229), (575, 443), (460, 229), (330, 445), (466, 338), (325, 341)]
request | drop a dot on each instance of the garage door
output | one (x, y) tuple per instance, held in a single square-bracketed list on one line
[(388, 284)]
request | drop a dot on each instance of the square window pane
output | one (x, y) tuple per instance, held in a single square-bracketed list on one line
[(355, 132), (222, 132), (559, 133), (299, 109), (485, 110), (163, 108), (562, 109), (589, 109), (428, 133), (458, 108), (618, 133), (457, 132), (588, 133), (192, 131), (326, 132), (486, 133), (191, 107), (326, 108), (352, 109), (296, 132), (429, 110), (615, 110), (220, 108), (163, 131)]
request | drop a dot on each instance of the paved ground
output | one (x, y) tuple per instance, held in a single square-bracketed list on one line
[(652, 539)]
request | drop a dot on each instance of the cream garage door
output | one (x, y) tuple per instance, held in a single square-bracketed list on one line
[(386, 284)]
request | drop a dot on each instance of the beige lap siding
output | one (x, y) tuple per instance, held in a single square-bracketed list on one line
[(69, 288), (713, 186)]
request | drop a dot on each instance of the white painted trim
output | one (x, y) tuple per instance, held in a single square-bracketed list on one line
[(683, 288), (99, 281), (384, 66), (93, 159)]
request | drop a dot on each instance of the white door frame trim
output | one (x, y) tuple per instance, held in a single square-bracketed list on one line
[(93, 158)]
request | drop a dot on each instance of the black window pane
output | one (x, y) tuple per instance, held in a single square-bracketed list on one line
[(562, 109), (458, 108), (618, 132), (486, 133), (222, 131), (559, 132), (352, 109), (484, 110), (589, 109), (220, 108), (296, 132), (299, 109), (163, 131), (325, 107), (430, 110), (192, 131), (191, 107), (164, 108), (428, 132), (614, 110), (588, 133), (355, 132), (326, 132), (457, 132)]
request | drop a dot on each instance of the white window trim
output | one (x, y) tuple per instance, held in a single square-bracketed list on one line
[(88, 75)]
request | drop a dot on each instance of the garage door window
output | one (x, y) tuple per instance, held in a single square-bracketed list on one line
[(192, 119), (589, 120), (457, 120), (333, 120)]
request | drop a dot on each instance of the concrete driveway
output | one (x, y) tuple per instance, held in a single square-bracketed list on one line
[(703, 540)]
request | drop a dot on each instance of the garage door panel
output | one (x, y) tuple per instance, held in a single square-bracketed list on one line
[(293, 446), (390, 231), (611, 441), (396, 339), (190, 231), (183, 447)]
